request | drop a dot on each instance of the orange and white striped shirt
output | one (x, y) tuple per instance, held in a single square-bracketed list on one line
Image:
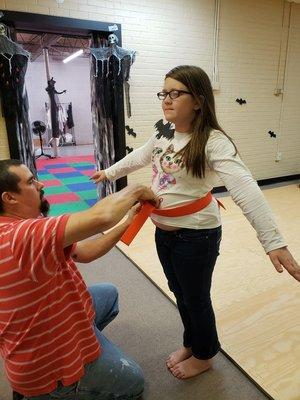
[(46, 311)]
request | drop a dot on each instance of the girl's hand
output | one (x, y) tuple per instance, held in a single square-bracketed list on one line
[(282, 258), (98, 176)]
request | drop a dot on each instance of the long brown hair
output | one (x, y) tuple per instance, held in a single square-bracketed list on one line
[(198, 83)]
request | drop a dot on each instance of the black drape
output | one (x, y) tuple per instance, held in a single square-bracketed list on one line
[(108, 74), (15, 108)]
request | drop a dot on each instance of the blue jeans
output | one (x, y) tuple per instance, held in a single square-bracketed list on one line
[(188, 257), (113, 376)]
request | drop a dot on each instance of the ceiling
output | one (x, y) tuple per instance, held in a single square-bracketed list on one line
[(59, 47)]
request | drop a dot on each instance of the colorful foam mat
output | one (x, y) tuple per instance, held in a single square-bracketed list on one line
[(67, 184)]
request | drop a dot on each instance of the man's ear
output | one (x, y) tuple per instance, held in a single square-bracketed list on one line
[(8, 198)]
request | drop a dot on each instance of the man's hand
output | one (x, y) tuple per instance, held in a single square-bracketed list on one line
[(132, 213), (98, 176), (282, 258), (148, 195), (106, 213)]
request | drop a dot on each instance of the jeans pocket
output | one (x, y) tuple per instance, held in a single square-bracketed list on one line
[(193, 235)]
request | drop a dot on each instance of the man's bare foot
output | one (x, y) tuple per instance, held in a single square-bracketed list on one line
[(179, 355), (190, 367)]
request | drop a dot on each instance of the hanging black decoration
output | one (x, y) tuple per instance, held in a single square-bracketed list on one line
[(241, 101), (130, 131), (125, 58), (110, 68), (13, 66), (129, 149), (70, 120), (54, 103)]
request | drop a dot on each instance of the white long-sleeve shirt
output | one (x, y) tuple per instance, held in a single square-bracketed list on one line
[(175, 186)]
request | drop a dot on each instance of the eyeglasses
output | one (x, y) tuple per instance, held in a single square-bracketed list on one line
[(173, 94)]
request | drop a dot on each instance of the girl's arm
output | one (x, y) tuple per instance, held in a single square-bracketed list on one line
[(246, 193), (133, 161)]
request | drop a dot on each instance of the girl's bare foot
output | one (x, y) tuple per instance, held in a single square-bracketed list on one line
[(190, 367), (179, 355)]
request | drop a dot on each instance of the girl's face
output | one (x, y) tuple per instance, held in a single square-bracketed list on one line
[(179, 111)]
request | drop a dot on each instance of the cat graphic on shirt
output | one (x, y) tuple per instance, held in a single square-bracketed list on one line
[(155, 153), (169, 163)]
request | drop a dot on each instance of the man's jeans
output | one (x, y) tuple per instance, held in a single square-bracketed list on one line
[(113, 375)]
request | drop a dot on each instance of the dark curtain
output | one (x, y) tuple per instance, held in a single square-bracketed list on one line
[(102, 123), (15, 108), (107, 79)]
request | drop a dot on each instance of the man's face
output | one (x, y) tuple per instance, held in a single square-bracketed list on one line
[(30, 201)]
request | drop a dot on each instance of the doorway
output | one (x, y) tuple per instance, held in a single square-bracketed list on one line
[(72, 77), (62, 37)]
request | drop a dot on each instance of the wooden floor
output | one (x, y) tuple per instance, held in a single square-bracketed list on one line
[(257, 309)]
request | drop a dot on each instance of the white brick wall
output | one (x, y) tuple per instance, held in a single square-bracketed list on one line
[(249, 50), (289, 141), (171, 32)]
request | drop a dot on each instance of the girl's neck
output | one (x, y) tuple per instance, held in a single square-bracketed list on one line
[(182, 129)]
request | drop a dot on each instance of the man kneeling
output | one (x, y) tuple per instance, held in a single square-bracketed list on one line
[(50, 323)]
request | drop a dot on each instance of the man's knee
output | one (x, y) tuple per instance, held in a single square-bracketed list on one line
[(138, 384), (112, 291), (113, 296), (140, 387), (104, 290)]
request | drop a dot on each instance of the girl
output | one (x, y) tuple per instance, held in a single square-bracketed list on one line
[(186, 167)]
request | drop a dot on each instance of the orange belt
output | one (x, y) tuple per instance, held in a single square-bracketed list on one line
[(147, 209)]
